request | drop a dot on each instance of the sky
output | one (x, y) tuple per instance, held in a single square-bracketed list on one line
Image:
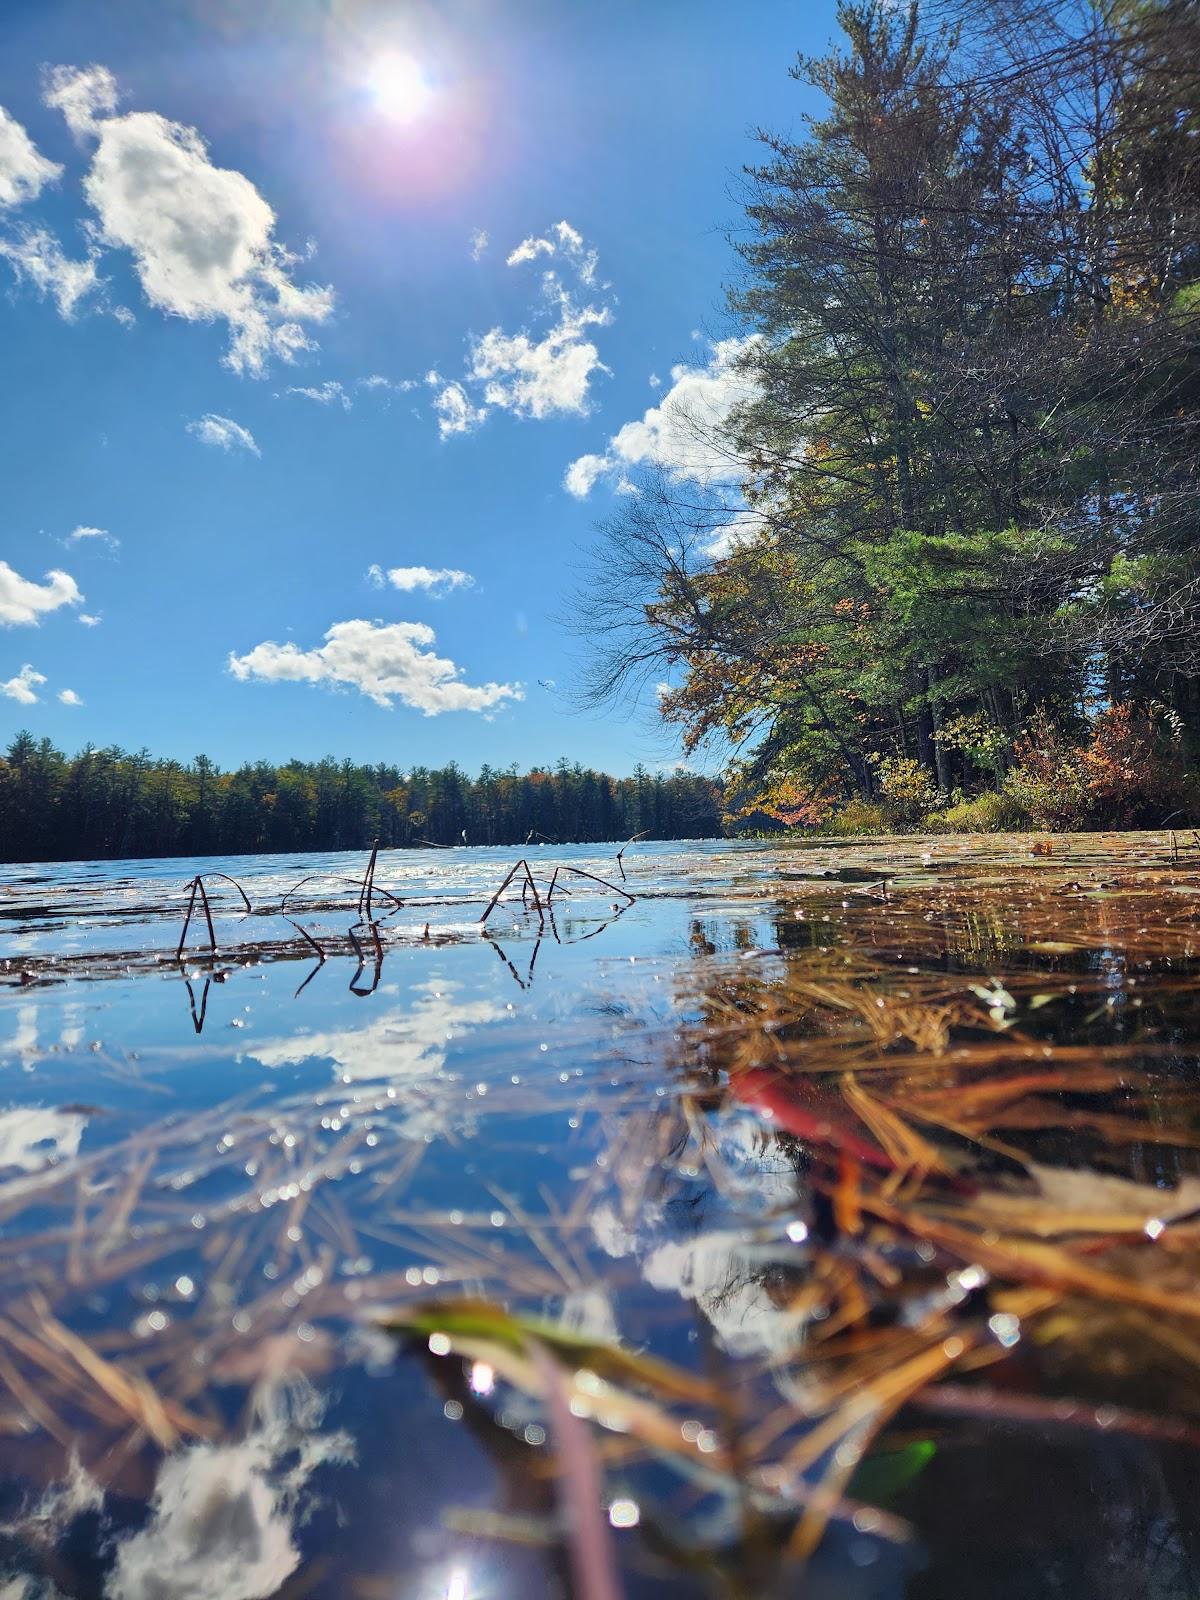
[(330, 331)]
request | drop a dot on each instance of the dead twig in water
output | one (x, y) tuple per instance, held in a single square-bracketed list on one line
[(527, 886), (366, 893), (376, 888), (624, 847), (197, 887)]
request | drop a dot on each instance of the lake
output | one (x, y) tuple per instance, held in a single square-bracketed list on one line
[(833, 1206)]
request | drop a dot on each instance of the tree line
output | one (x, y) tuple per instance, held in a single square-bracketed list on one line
[(117, 804), (946, 547)]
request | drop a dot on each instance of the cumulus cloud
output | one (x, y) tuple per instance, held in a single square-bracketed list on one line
[(82, 94), (68, 697), (24, 171), (438, 580), (544, 369), (384, 661), (23, 601), (201, 236), (682, 434), (224, 433), (36, 256), (89, 619), (23, 688), (537, 377), (325, 394)]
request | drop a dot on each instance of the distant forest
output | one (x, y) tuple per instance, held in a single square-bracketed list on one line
[(117, 804)]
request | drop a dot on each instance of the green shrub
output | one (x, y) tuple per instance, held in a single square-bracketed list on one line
[(906, 789), (991, 812), (857, 817)]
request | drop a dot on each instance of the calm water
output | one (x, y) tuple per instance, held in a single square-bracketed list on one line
[(750, 1111)]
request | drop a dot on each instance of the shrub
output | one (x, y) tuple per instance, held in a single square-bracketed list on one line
[(857, 817), (1049, 782), (1127, 774), (906, 789), (994, 811), (1131, 777)]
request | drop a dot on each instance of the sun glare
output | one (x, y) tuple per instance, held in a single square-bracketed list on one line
[(399, 87)]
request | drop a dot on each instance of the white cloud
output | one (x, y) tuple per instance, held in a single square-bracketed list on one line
[(408, 1043), (384, 661), (81, 94), (378, 383), (582, 474), (567, 242), (23, 687), (539, 373), (529, 250), (33, 1136), (68, 697), (742, 527), (224, 433), (682, 434), (23, 601), (325, 394), (222, 1515), (202, 236), (535, 378), (84, 534), (24, 171), (479, 243), (435, 579), (89, 620), (457, 412), (36, 256)]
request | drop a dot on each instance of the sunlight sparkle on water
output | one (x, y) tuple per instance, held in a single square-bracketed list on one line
[(399, 87)]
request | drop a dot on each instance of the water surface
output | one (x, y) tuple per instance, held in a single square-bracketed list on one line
[(888, 1149)]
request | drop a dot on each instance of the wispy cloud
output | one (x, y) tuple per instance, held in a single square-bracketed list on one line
[(384, 661), (23, 602), (456, 411), (90, 619), (325, 394), (224, 433), (479, 243), (437, 580), (37, 256), (202, 237), (378, 384), (23, 688), (24, 171), (86, 535)]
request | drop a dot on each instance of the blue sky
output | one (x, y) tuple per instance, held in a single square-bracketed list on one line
[(489, 241)]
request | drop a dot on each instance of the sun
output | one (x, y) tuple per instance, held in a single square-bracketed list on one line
[(399, 86)]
